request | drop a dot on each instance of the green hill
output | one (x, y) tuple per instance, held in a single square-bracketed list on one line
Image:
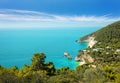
[(107, 36), (106, 52), (109, 33)]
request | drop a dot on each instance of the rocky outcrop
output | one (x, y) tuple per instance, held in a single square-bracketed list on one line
[(84, 59)]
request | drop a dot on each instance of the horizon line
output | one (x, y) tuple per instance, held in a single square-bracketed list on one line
[(26, 18)]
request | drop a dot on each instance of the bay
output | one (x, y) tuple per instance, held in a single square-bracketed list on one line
[(17, 46)]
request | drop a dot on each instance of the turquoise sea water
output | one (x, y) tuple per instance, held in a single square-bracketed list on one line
[(18, 46)]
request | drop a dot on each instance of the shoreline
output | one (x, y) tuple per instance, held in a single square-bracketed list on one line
[(90, 43)]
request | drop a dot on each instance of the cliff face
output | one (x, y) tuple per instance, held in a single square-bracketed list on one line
[(84, 59), (91, 41)]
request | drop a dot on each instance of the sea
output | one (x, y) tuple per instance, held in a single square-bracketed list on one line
[(17, 46)]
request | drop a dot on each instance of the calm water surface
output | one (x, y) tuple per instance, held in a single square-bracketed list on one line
[(18, 46)]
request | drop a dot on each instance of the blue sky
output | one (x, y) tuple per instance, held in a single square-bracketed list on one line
[(59, 12)]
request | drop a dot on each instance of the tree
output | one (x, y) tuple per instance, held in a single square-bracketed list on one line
[(50, 68), (38, 61)]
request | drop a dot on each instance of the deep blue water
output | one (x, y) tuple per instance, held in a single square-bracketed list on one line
[(18, 46)]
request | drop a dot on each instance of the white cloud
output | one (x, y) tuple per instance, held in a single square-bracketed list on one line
[(25, 18)]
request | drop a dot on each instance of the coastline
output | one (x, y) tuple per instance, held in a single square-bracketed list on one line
[(90, 43)]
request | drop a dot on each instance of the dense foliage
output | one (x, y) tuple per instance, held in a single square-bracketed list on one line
[(41, 72), (106, 51), (109, 33)]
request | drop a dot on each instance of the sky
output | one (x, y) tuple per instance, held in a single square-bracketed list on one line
[(58, 13)]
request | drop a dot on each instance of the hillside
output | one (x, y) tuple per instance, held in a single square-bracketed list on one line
[(109, 33), (106, 52), (109, 36)]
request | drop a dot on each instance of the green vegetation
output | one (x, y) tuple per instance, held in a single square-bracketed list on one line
[(106, 53), (110, 33), (41, 72)]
